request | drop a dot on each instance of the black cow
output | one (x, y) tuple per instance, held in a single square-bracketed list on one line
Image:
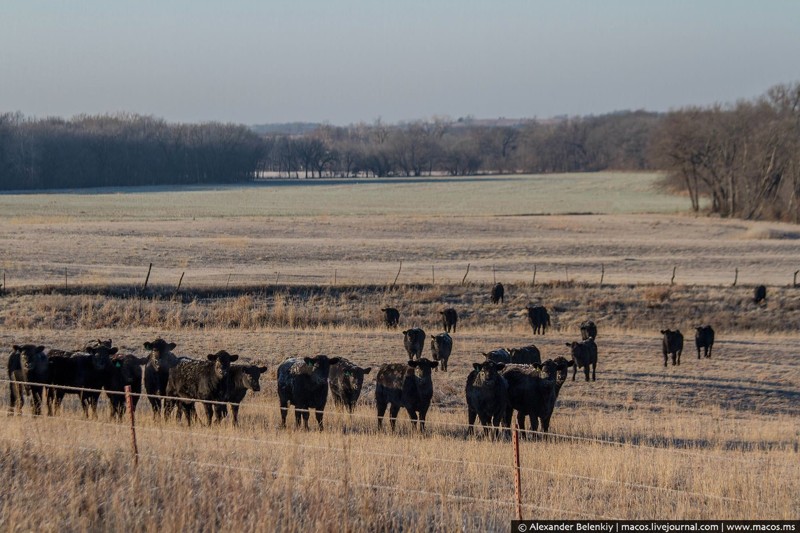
[(538, 318), (405, 385), (584, 354), (204, 381), (303, 382), (27, 364), (449, 319), (498, 293), (704, 338), (588, 330), (126, 370), (759, 294), (156, 372), (81, 370), (414, 342), (441, 348), (487, 396), (346, 380), (241, 378), (500, 355), (391, 317), (533, 390), (672, 343), (527, 355)]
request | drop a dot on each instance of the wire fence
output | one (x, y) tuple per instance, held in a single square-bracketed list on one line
[(267, 443), (445, 425), (274, 474), (76, 278)]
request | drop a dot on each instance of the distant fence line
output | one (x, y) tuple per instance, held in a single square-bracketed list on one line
[(72, 277)]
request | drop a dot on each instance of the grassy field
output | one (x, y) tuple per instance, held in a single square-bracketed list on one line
[(452, 196), (710, 439)]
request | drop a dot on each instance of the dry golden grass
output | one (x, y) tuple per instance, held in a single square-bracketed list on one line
[(631, 307), (710, 439), (355, 250), (713, 438)]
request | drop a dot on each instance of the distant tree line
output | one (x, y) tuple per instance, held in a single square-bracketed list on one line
[(127, 149), (464, 147), (117, 150), (744, 157)]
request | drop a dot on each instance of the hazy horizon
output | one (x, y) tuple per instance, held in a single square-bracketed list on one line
[(355, 61)]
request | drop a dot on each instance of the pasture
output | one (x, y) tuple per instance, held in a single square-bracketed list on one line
[(710, 439)]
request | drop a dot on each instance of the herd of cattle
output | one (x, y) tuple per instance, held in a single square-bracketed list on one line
[(508, 380)]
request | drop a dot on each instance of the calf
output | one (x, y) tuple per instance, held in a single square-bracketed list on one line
[(449, 319), (414, 342), (538, 318), (126, 370), (79, 370), (588, 330), (206, 381), (500, 355), (346, 380), (241, 378), (672, 343), (391, 317), (759, 294), (704, 338), (584, 354), (498, 293), (27, 365), (405, 385), (527, 355), (441, 347), (156, 372), (487, 396), (533, 390), (303, 382)]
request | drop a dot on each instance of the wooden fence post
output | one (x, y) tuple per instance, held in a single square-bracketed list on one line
[(398, 273), (345, 525), (735, 277), (179, 283), (533, 281), (464, 279), (794, 281), (517, 480), (672, 280), (147, 279), (129, 403), (602, 273)]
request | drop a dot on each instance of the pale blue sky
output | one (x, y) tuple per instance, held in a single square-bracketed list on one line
[(344, 61)]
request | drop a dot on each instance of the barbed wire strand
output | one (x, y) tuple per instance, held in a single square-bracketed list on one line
[(249, 440), (369, 486), (434, 422)]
